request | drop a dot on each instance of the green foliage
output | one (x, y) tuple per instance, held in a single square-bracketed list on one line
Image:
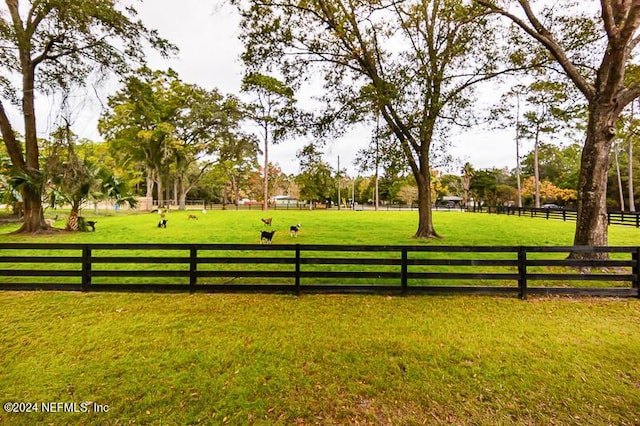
[(559, 165), (66, 39), (316, 181), (166, 125), (407, 61)]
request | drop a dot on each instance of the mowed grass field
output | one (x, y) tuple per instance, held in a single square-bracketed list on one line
[(320, 359)]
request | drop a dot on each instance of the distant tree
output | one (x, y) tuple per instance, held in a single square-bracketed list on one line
[(48, 45), (273, 110), (169, 126), (467, 176), (548, 192), (315, 180), (407, 194), (557, 164), (75, 181)]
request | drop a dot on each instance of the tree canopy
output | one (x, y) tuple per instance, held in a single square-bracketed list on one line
[(50, 45)]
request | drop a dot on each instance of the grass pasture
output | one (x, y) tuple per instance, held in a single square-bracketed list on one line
[(320, 359)]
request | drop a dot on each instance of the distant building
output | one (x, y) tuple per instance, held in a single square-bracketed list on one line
[(284, 201), (450, 201)]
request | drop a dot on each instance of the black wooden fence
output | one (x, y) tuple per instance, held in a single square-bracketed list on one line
[(319, 268), (613, 217)]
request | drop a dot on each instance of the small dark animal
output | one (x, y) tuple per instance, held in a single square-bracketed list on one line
[(294, 230), (162, 223), (193, 216), (266, 236), (267, 221), (91, 224)]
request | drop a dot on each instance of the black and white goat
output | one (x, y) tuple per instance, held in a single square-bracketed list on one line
[(266, 237), (294, 230), (162, 223)]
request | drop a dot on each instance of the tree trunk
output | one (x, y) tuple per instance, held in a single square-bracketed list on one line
[(72, 221), (536, 172), (265, 184), (236, 190), (33, 214), (591, 224), (160, 189), (180, 192), (619, 177), (425, 214), (33, 217), (632, 202), (150, 184)]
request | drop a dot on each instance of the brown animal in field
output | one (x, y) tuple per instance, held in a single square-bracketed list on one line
[(193, 216), (267, 221)]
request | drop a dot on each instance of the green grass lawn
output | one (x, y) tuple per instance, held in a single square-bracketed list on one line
[(327, 227), (321, 359)]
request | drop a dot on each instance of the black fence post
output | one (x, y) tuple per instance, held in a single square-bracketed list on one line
[(635, 270), (297, 277), (86, 268), (522, 273), (193, 269), (404, 271)]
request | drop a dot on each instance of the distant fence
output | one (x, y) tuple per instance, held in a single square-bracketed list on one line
[(613, 217), (318, 269)]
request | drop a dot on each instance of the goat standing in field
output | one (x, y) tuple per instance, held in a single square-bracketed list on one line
[(266, 237), (294, 230), (266, 221)]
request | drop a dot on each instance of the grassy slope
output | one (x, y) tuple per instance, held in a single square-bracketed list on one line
[(184, 359)]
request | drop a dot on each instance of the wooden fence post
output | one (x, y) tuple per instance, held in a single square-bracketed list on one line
[(522, 273), (404, 270), (193, 269), (86, 268), (297, 278), (635, 270)]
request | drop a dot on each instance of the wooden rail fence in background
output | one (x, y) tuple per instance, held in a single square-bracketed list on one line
[(319, 269), (613, 217)]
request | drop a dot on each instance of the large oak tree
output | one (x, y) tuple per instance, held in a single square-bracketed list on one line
[(413, 62), (596, 53), (46, 45)]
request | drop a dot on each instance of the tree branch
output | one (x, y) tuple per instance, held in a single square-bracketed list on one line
[(540, 33), (13, 147)]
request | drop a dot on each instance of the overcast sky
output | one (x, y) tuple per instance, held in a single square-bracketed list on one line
[(207, 36)]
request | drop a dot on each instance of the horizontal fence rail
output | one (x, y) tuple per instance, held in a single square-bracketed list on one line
[(613, 217), (517, 270)]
